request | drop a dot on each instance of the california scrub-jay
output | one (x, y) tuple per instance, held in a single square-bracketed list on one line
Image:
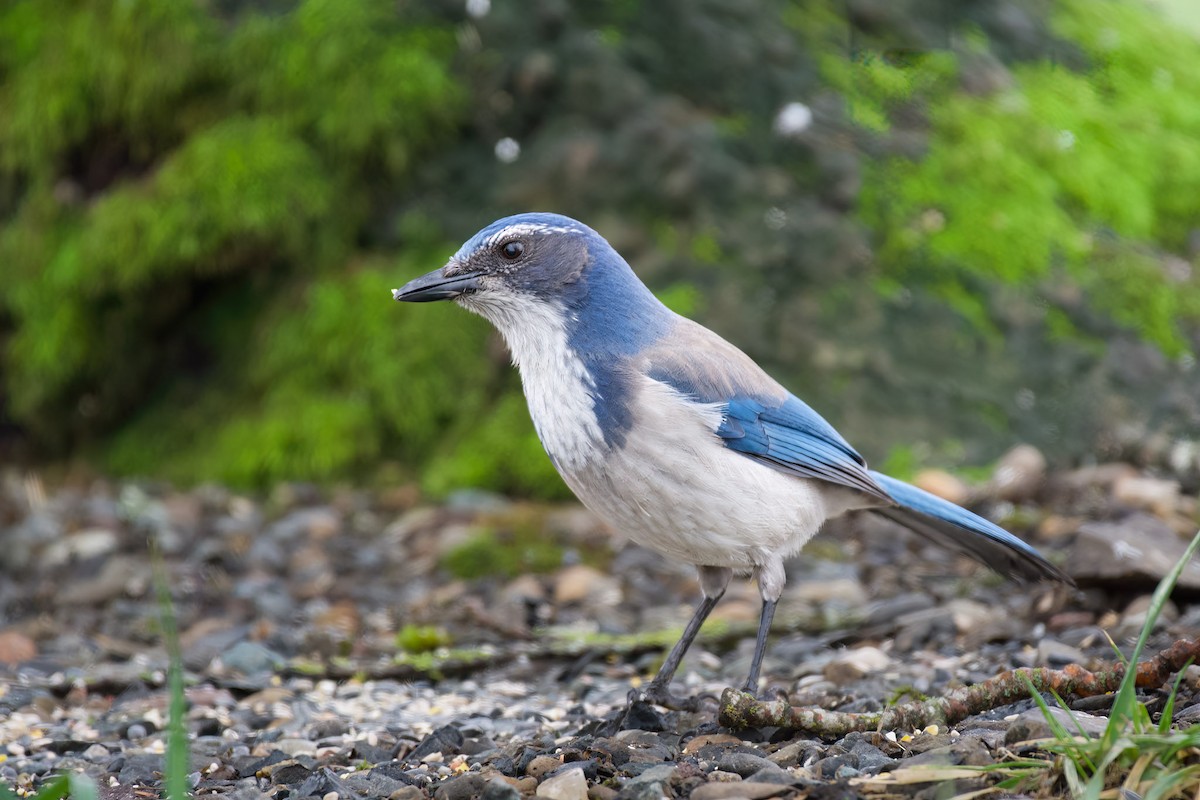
[(671, 434)]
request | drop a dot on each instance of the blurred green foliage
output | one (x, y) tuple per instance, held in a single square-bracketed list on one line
[(1081, 179), (203, 205), (422, 638), (513, 552)]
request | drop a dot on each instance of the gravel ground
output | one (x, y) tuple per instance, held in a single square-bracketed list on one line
[(344, 643)]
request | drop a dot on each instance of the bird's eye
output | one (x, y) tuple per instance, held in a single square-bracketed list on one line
[(512, 250)]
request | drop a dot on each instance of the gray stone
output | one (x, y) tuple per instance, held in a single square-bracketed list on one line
[(446, 740), (250, 658), (1053, 653), (1135, 551), (743, 764), (499, 789), (968, 751), (567, 785), (870, 758), (1032, 724), (464, 787), (772, 774), (1019, 473), (728, 790)]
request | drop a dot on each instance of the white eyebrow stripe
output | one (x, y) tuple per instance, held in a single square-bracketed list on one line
[(525, 228)]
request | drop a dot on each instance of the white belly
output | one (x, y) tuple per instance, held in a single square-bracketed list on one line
[(674, 487)]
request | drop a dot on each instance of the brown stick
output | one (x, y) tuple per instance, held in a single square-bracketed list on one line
[(741, 710)]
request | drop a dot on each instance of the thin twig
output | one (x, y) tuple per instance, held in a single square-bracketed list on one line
[(741, 710)]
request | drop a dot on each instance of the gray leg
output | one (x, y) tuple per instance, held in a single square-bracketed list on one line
[(760, 646), (770, 585), (713, 581)]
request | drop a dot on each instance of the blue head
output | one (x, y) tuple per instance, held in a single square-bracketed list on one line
[(530, 271)]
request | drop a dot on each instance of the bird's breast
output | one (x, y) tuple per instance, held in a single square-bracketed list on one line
[(673, 486)]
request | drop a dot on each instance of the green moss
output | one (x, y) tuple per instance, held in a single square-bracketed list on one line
[(422, 638), (77, 69), (1075, 177), (352, 76), (181, 198), (505, 554), (325, 392)]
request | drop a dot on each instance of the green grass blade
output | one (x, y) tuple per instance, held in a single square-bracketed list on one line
[(1164, 786), (175, 771), (1164, 722), (1057, 729), (82, 787)]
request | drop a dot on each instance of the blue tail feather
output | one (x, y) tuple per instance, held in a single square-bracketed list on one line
[(954, 527)]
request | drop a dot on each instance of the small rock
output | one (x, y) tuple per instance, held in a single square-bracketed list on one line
[(1032, 724), (1133, 618), (80, 546), (568, 785), (579, 583), (1053, 653), (16, 647), (944, 485), (772, 774), (1056, 526), (408, 793), (1135, 551), (250, 658), (709, 739), (499, 789), (1159, 497), (523, 588), (743, 764), (464, 787), (791, 754), (724, 790), (96, 752), (852, 665), (1019, 473), (542, 765), (649, 784), (446, 740), (296, 747), (969, 751)]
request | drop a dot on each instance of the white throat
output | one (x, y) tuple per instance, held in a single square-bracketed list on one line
[(558, 388)]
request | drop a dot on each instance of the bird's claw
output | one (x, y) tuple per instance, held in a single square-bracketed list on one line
[(659, 695)]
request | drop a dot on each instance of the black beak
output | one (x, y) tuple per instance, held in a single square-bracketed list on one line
[(436, 286)]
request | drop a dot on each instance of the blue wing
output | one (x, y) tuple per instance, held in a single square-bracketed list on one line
[(793, 438)]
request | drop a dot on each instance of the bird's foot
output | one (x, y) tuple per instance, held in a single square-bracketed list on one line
[(639, 711), (660, 695)]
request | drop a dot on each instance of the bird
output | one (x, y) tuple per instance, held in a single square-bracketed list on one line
[(674, 436)]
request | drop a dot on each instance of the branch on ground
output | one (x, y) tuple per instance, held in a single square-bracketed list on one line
[(742, 710)]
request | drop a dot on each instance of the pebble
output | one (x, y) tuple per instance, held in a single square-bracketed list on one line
[(721, 790), (499, 789), (852, 665), (568, 785), (944, 485), (1019, 473), (16, 647), (1032, 724)]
